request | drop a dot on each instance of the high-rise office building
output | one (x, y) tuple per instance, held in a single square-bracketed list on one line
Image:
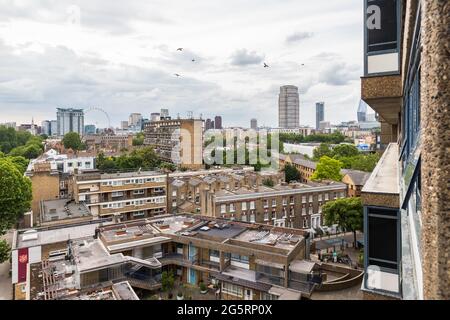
[(320, 113), (135, 120), (53, 127), (155, 116), (70, 120), (164, 114), (46, 127), (362, 111), (208, 124), (288, 107), (218, 122), (254, 123)]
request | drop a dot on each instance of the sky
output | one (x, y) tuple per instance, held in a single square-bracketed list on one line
[(121, 57)]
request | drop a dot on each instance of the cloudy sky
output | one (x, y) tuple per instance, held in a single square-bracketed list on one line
[(121, 56)]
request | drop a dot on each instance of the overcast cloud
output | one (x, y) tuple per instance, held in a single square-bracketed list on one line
[(122, 57)]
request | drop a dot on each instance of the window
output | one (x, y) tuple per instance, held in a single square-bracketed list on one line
[(303, 199), (320, 197), (244, 217), (310, 198), (252, 218), (244, 206), (139, 191), (291, 200), (252, 205), (274, 203), (117, 194), (87, 164), (232, 289), (266, 203), (174, 193), (284, 202), (266, 216), (326, 197), (232, 208), (223, 208), (174, 203), (138, 214)]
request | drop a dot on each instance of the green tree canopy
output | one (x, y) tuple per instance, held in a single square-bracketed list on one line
[(323, 150), (291, 173), (72, 141), (328, 169), (346, 212), (15, 194), (345, 150), (4, 251), (139, 139)]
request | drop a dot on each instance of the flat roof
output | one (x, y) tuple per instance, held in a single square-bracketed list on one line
[(301, 266), (124, 291), (384, 178), (37, 237), (54, 210), (225, 232), (90, 254), (282, 240)]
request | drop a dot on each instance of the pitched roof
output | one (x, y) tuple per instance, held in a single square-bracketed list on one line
[(358, 177)]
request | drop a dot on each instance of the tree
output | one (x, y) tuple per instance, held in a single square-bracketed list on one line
[(328, 169), (72, 141), (323, 150), (345, 150), (4, 251), (139, 139), (167, 281), (168, 166), (268, 182), (15, 194), (20, 162), (291, 173), (346, 212)]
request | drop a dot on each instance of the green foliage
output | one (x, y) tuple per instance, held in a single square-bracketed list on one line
[(15, 194), (72, 141), (291, 173), (345, 150), (140, 158), (29, 151), (203, 286), (20, 143), (139, 139), (323, 150), (346, 212), (168, 166), (167, 280), (327, 169), (4, 251), (20, 162), (334, 138), (268, 182)]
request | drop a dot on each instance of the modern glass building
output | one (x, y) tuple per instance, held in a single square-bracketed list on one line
[(320, 113), (70, 120)]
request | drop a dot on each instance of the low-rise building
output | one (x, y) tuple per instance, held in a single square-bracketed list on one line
[(124, 196), (237, 260)]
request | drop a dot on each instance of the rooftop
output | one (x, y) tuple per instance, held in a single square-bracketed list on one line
[(53, 210)]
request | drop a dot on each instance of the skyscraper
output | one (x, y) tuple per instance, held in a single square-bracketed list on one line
[(135, 119), (208, 124), (362, 112), (46, 127), (320, 113), (218, 122), (70, 120), (254, 123), (288, 107)]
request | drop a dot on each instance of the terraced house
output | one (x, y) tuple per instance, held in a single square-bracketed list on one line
[(124, 196), (292, 205)]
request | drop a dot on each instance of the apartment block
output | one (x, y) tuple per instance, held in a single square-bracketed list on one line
[(406, 197), (179, 141), (237, 260), (122, 196), (286, 205)]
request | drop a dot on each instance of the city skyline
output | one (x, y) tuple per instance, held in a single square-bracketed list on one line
[(73, 72)]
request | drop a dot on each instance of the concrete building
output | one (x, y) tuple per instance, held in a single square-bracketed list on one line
[(46, 128), (89, 129), (242, 261), (123, 196), (70, 120), (155, 116), (218, 122), (288, 107), (53, 127), (254, 124), (320, 113), (135, 119), (355, 181), (179, 141), (406, 197), (109, 142)]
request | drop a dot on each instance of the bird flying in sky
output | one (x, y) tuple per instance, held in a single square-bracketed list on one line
[(266, 65), (176, 74), (180, 49)]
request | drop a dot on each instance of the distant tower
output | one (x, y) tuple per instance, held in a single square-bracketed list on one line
[(362, 112), (218, 122), (253, 124), (320, 113), (208, 124), (288, 107)]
